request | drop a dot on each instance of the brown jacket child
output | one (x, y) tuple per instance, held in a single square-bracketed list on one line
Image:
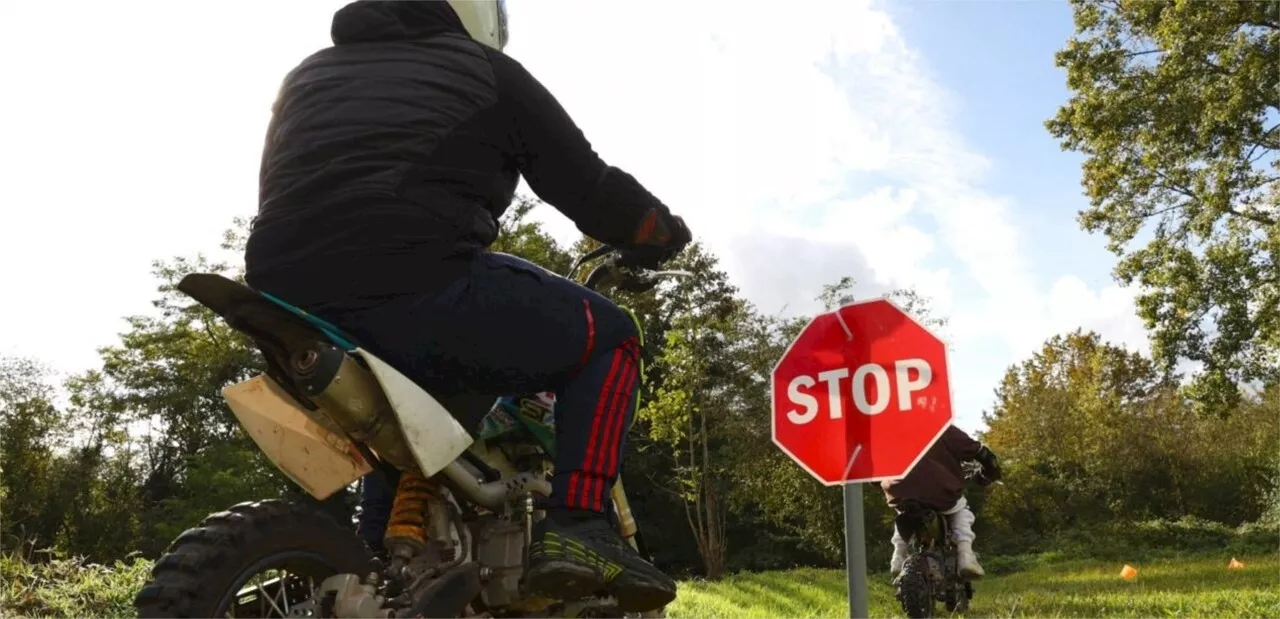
[(938, 482)]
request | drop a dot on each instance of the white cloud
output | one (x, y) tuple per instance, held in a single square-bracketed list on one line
[(802, 143), (763, 128), (133, 134)]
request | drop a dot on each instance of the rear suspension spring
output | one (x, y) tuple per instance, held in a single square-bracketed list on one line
[(406, 530)]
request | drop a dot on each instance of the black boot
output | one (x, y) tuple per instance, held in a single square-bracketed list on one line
[(576, 554)]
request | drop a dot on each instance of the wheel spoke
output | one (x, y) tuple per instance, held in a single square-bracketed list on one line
[(284, 590), (270, 600), (262, 597)]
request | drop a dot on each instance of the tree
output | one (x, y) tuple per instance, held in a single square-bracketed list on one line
[(702, 399), (911, 301), (64, 481), (1092, 434), (519, 237), (30, 431), (166, 375), (1174, 105)]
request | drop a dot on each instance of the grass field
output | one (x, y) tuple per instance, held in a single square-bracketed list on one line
[(1035, 587), (1198, 587)]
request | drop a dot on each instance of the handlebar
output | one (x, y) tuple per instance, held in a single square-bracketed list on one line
[(612, 273), (973, 472)]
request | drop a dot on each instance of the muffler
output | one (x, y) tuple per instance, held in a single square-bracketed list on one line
[(352, 399)]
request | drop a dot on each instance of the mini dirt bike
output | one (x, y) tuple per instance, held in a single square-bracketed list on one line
[(931, 573), (327, 412)]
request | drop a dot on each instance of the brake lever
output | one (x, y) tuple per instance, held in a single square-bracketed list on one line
[(676, 272), (582, 260), (634, 280)]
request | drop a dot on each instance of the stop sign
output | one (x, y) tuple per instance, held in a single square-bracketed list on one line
[(861, 394)]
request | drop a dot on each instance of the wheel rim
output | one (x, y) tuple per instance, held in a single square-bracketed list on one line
[(279, 585)]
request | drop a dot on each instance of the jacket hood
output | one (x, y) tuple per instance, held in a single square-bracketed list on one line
[(369, 21)]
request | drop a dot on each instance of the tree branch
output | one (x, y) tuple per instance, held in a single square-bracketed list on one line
[(1162, 211), (1143, 53), (1262, 143), (1257, 218)]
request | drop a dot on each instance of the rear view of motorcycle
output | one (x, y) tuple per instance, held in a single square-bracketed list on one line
[(931, 572), (326, 413)]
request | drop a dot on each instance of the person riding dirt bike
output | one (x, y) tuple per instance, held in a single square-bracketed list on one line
[(389, 158), (937, 482)]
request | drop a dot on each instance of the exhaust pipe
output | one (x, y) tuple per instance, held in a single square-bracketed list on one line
[(351, 399), (493, 495)]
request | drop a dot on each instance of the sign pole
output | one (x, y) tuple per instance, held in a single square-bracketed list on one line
[(855, 551)]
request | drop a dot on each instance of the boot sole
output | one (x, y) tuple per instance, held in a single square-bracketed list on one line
[(642, 599), (564, 580)]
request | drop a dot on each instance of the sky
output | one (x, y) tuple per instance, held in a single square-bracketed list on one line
[(900, 143)]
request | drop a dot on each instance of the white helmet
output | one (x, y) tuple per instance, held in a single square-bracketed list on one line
[(485, 20)]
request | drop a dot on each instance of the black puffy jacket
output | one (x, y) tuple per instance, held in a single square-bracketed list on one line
[(391, 154)]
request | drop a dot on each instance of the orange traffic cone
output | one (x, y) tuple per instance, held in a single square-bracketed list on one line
[(1129, 572), (1235, 565)]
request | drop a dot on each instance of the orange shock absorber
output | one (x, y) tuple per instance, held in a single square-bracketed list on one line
[(406, 531)]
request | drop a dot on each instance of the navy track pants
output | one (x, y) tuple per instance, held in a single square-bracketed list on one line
[(509, 327)]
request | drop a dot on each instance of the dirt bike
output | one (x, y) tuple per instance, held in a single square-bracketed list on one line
[(327, 412), (931, 573)]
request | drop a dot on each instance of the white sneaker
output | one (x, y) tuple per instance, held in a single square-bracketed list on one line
[(896, 563), (967, 562)]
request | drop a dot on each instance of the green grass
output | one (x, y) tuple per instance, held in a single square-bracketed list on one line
[(1045, 586), (1197, 587), (68, 587)]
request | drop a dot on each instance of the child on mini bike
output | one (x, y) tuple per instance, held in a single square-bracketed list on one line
[(937, 482)]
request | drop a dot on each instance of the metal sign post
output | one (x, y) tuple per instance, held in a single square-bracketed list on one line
[(855, 551)]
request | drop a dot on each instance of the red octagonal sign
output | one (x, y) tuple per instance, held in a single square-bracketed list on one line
[(861, 394)]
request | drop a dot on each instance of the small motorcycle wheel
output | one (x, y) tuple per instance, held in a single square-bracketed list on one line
[(957, 601), (914, 592), (257, 559)]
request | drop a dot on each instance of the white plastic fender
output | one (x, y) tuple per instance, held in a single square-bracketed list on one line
[(435, 438)]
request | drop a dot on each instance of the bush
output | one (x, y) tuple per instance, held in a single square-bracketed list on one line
[(1188, 534), (1162, 538), (1256, 538), (69, 587)]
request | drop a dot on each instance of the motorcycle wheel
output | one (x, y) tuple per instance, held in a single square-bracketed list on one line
[(913, 588), (218, 568), (957, 601)]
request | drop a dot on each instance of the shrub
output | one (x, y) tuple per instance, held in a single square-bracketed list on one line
[(1188, 534), (1256, 538), (1163, 538)]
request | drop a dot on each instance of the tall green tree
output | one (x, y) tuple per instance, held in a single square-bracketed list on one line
[(707, 395), (1176, 107), (65, 476), (30, 432)]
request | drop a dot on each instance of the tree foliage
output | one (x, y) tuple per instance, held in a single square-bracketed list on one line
[(1176, 107), (1091, 434)]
